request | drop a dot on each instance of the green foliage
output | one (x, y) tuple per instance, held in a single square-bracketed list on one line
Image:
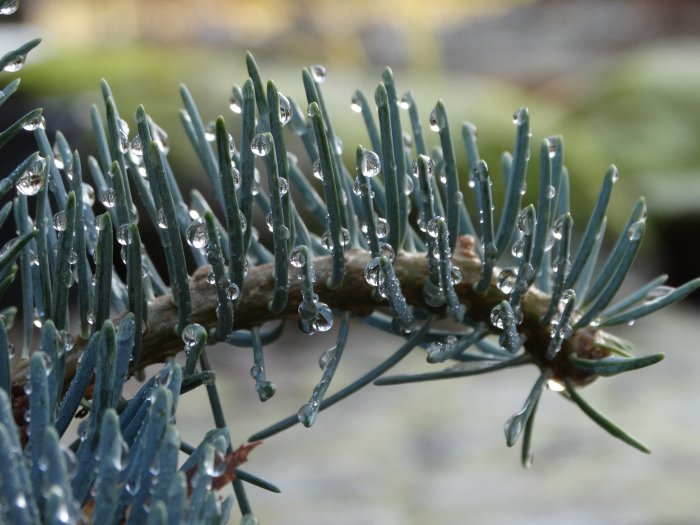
[(394, 244)]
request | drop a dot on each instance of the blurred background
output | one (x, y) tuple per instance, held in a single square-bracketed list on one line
[(620, 80)]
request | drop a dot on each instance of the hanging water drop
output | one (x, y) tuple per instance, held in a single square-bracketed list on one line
[(124, 235), (381, 227), (261, 144), (210, 131), (34, 123), (9, 7), (235, 103), (498, 316), (318, 73), (373, 272), (189, 335), (385, 250), (136, 146), (518, 249), (519, 116), (285, 110), (636, 230), (32, 181), (283, 186), (196, 234), (233, 292), (59, 221), (405, 101), (550, 192), (160, 218), (15, 64), (433, 121), (506, 281), (432, 227), (615, 174), (297, 258), (370, 164), (456, 275), (525, 222), (326, 357), (658, 293), (357, 187), (355, 104), (317, 170), (109, 198), (324, 318)]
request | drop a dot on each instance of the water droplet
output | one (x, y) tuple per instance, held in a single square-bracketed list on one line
[(405, 101), (211, 278), (385, 250), (123, 131), (15, 64), (283, 186), (124, 235), (636, 230), (189, 334), (255, 371), (250, 519), (355, 104), (338, 146), (555, 386), (235, 103), (326, 357), (498, 317), (9, 7), (525, 222), (373, 272), (261, 144), (318, 72), (518, 249), (34, 123), (136, 146), (381, 227), (456, 275), (33, 179), (519, 116), (269, 221), (407, 185), (59, 221), (433, 228), (550, 192), (324, 318), (317, 170), (307, 414), (109, 198), (243, 221), (370, 164), (551, 147), (160, 218), (233, 292), (615, 174), (285, 110), (357, 187), (433, 121), (20, 499), (297, 257), (196, 235), (407, 140), (236, 175), (658, 293), (210, 131)]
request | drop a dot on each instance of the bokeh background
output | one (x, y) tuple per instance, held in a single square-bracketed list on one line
[(620, 80)]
